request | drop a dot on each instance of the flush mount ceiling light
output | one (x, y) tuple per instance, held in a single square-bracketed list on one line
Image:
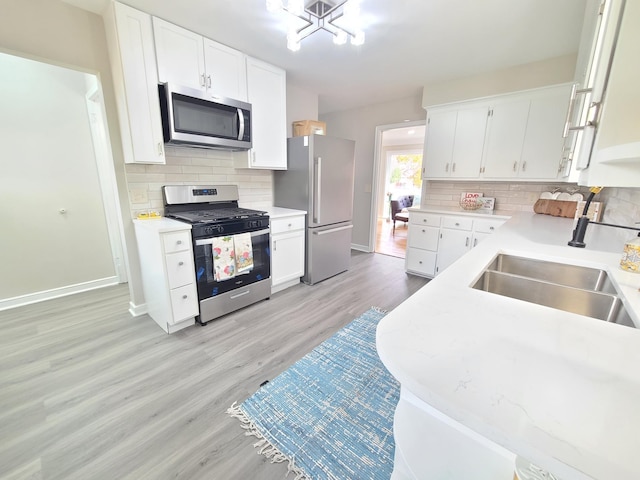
[(340, 19)]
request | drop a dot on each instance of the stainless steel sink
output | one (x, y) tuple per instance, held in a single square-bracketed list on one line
[(582, 290), (559, 273)]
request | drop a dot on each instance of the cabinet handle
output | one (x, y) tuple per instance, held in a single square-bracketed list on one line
[(184, 297), (475, 242), (160, 148), (180, 264), (446, 167), (466, 244), (572, 100), (202, 83), (453, 168), (208, 81), (515, 166), (275, 245), (492, 228), (524, 166)]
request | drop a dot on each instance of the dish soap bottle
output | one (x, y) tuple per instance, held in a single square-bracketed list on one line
[(631, 255)]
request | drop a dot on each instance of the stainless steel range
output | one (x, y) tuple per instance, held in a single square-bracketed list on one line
[(230, 246)]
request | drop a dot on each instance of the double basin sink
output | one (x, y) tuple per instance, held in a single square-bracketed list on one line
[(572, 288)]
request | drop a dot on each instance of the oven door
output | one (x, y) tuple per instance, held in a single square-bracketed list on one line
[(208, 285)]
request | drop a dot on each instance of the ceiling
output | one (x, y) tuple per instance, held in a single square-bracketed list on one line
[(409, 43)]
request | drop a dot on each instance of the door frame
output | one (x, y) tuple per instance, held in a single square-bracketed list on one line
[(377, 162)]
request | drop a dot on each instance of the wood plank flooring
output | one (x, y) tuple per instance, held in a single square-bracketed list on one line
[(88, 392), (389, 243)]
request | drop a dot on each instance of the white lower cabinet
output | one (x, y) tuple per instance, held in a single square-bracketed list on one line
[(287, 251), (168, 273), (422, 243), (436, 241)]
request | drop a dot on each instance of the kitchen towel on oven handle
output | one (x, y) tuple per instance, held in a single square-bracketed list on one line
[(244, 252), (224, 263)]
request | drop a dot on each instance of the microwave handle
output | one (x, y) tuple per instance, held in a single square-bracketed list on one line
[(240, 124)]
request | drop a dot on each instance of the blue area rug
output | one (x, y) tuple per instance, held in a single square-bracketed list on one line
[(330, 415)]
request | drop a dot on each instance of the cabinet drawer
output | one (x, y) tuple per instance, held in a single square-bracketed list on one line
[(176, 241), (184, 302), (280, 225), (421, 261), (421, 218), (486, 225), (180, 269), (423, 237), (457, 223)]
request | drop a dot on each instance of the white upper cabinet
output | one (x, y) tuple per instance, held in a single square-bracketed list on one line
[(190, 60), (454, 141), (438, 144), (506, 137), (266, 91), (613, 75), (132, 56)]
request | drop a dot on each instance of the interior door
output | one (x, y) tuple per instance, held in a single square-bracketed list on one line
[(331, 185)]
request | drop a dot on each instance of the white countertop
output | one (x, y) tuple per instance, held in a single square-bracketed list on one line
[(505, 214), (280, 212), (162, 224), (560, 389)]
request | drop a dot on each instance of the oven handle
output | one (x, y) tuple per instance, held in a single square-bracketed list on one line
[(208, 241), (233, 297)]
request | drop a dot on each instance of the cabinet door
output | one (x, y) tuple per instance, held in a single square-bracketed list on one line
[(469, 141), (287, 259), (226, 74), (130, 37), (438, 145), (266, 91), (543, 142), (180, 55), (505, 137), (453, 244)]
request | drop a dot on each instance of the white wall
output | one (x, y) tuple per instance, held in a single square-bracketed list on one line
[(360, 125), (48, 164), (68, 36), (521, 77), (301, 105)]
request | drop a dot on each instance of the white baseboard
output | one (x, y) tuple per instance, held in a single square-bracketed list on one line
[(36, 297), (360, 248), (137, 310)]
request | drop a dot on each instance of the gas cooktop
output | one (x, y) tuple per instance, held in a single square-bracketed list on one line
[(214, 214)]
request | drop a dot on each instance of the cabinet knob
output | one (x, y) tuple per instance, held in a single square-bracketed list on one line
[(424, 231), (184, 297), (492, 228), (457, 224), (180, 264), (179, 242), (289, 225), (424, 220), (160, 148), (420, 262)]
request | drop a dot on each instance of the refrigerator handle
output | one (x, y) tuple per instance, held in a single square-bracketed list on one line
[(317, 166)]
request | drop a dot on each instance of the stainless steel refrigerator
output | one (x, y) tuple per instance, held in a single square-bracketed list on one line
[(319, 179)]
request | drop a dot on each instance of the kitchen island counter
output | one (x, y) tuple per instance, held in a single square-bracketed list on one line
[(559, 389)]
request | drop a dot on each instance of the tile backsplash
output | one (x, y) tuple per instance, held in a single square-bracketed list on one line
[(621, 205), (510, 197), (194, 166)]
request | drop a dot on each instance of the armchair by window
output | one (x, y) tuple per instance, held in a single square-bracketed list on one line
[(396, 209)]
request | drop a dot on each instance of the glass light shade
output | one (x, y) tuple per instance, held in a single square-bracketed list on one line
[(293, 41), (274, 6), (296, 7), (340, 37), (358, 38), (351, 9)]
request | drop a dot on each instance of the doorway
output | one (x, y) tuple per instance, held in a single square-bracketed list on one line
[(62, 215), (398, 170)]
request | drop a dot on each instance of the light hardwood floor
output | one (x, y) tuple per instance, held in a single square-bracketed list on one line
[(88, 392), (390, 243)]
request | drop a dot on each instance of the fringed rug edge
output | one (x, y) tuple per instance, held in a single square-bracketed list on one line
[(264, 446)]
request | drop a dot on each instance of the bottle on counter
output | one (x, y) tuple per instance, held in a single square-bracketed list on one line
[(631, 255)]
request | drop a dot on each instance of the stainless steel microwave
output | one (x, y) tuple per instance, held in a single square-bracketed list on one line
[(192, 118)]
